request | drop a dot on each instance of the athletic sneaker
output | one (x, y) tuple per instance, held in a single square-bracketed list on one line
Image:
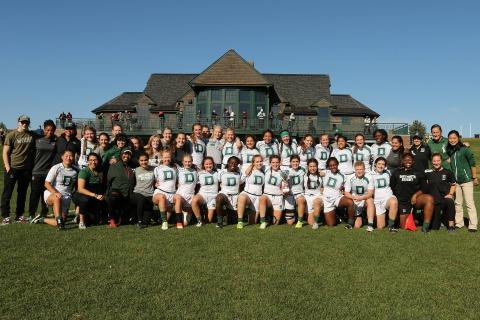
[(60, 225), (263, 225), (299, 224), (370, 229), (179, 225), (451, 230), (186, 218), (82, 226), (164, 225), (76, 219), (425, 230), (38, 219), (6, 221), (348, 226), (315, 226), (21, 219), (199, 224), (392, 229), (240, 225), (219, 225)]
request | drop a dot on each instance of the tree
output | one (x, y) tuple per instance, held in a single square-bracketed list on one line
[(417, 127)]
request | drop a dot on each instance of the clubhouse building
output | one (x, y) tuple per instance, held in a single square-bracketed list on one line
[(233, 93)]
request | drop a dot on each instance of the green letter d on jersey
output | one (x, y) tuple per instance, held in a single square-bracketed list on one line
[(167, 175), (331, 182), (359, 156), (343, 158), (231, 181), (295, 180), (381, 183), (381, 151), (258, 180), (228, 151), (323, 155), (359, 190), (273, 181), (198, 148), (189, 177), (209, 181), (269, 151)]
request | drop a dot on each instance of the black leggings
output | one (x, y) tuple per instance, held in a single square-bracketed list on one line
[(89, 206), (118, 205), (444, 209), (144, 206), (37, 188)]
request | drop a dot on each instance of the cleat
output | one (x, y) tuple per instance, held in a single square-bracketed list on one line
[(370, 229), (37, 219), (451, 230), (82, 226), (299, 225), (199, 224), (179, 225), (240, 225), (263, 225), (164, 225), (315, 226), (60, 224), (348, 227), (425, 230), (392, 229), (76, 219), (219, 225), (186, 218), (472, 230), (6, 221), (21, 219)]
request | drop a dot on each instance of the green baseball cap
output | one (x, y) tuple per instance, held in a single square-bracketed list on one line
[(24, 118)]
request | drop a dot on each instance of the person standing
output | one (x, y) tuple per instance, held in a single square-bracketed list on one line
[(438, 144), (18, 153), (44, 155), (67, 141), (462, 163), (421, 152)]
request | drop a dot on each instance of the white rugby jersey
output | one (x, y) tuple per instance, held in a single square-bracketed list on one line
[(267, 150), (359, 185), (286, 152), (167, 178), (208, 182), (322, 154), (295, 180), (198, 152), (62, 179), (381, 184), (364, 155), (187, 180), (305, 155), (273, 182), (380, 150), (229, 149), (345, 160), (313, 184), (246, 155), (332, 184), (254, 182), (230, 181)]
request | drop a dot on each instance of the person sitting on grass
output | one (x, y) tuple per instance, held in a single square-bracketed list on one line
[(249, 198), (60, 182), (230, 181), (90, 192), (383, 195), (360, 188), (187, 182)]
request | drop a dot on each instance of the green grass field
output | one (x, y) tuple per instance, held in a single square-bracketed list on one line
[(207, 273)]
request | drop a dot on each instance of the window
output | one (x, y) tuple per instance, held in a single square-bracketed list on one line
[(245, 95), (231, 95), (259, 96), (202, 96), (323, 113), (346, 120), (217, 95), (245, 107), (218, 108)]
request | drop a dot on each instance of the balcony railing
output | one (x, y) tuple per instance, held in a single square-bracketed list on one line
[(298, 127)]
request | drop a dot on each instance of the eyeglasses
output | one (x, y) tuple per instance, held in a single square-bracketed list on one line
[(24, 122)]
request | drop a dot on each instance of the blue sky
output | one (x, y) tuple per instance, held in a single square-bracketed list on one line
[(406, 59)]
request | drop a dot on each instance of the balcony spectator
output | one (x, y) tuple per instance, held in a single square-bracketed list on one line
[(270, 119), (161, 118), (261, 118), (244, 119), (291, 121), (214, 118), (226, 116), (232, 119), (69, 116), (180, 119), (62, 118), (101, 121)]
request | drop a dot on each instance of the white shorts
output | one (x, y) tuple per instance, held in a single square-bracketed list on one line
[(381, 205), (291, 201), (331, 203), (277, 202), (210, 199), (66, 199), (187, 199), (254, 201), (168, 196), (309, 199), (232, 201)]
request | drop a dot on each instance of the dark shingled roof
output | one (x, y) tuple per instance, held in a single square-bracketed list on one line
[(166, 88), (346, 105), (122, 102)]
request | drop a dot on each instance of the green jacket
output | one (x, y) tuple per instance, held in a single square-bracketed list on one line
[(462, 162), (121, 177), (113, 152), (440, 146)]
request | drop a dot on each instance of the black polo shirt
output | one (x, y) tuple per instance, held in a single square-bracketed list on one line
[(422, 156), (439, 183), (63, 144)]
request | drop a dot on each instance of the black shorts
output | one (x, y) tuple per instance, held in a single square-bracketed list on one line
[(405, 208)]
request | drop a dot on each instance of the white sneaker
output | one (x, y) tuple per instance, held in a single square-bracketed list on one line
[(263, 225), (164, 225), (82, 226), (199, 224), (186, 218), (370, 229), (315, 226)]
